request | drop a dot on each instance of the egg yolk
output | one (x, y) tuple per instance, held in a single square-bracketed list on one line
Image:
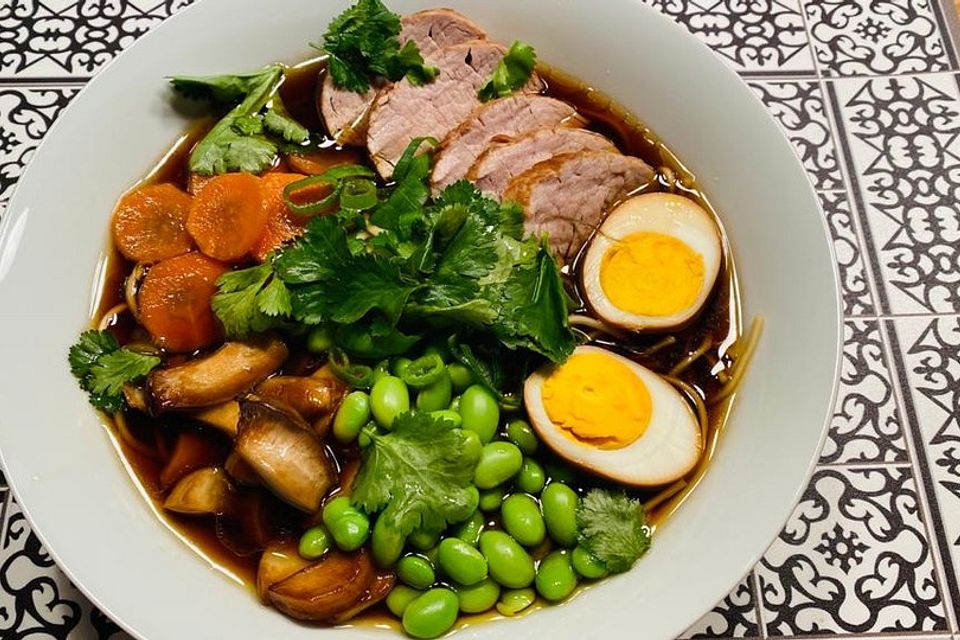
[(652, 274), (597, 400)]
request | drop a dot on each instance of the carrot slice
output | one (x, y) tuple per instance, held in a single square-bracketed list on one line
[(282, 224), (196, 183), (174, 302), (313, 164), (227, 217), (149, 224)]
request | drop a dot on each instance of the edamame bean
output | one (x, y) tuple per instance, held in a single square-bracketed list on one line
[(350, 530), (470, 530), (320, 339), (479, 597), (386, 543), (555, 576), (437, 395), (499, 461), (586, 564), (473, 498), (480, 412), (531, 477), (520, 433), (461, 562), (522, 519), (401, 596), (508, 563), (432, 614), (416, 572), (314, 542), (491, 499), (400, 365), (388, 399), (460, 375), (422, 539), (470, 445), (559, 504), (514, 601), (353, 414), (450, 416), (336, 508)]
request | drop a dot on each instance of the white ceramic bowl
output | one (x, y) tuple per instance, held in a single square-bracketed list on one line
[(104, 534)]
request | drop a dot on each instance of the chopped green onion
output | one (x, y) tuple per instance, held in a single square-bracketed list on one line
[(358, 194), (322, 205), (424, 371), (359, 376), (335, 174)]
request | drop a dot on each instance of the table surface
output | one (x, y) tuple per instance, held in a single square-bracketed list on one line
[(869, 93)]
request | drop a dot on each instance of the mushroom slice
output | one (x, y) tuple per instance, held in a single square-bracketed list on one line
[(203, 492), (279, 561), (240, 471), (382, 584), (224, 417), (215, 378), (287, 455), (192, 449), (316, 399), (325, 589), (136, 397)]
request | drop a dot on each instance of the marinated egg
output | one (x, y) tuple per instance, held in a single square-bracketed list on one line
[(653, 263), (614, 418)]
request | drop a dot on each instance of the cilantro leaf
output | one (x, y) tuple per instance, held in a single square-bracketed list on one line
[(278, 122), (102, 367), (251, 301), (373, 340), (418, 475), (613, 528), (512, 72), (222, 89), (363, 42)]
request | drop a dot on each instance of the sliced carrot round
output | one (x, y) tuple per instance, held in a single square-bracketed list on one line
[(196, 183), (282, 225), (227, 217), (313, 164), (150, 224), (174, 302)]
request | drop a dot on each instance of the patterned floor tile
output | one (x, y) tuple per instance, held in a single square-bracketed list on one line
[(25, 116), (754, 35), (848, 253), (734, 617), (866, 425), (930, 349), (853, 558), (63, 38), (798, 107), (904, 138), (871, 37)]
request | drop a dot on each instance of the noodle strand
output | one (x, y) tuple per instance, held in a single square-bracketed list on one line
[(739, 369)]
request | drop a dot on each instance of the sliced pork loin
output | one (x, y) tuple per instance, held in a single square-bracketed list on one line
[(568, 195), (345, 112), (403, 112), (511, 116), (501, 161)]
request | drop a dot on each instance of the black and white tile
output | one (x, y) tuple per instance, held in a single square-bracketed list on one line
[(855, 281), (736, 616)]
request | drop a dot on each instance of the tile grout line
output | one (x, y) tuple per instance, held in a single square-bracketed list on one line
[(758, 600), (947, 34), (926, 491), (4, 508)]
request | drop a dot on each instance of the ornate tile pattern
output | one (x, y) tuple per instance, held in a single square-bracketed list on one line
[(734, 617), (854, 278)]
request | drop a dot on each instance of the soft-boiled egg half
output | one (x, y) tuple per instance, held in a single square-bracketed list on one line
[(653, 263), (613, 418)]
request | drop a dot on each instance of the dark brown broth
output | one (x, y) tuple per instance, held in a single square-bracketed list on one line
[(721, 318)]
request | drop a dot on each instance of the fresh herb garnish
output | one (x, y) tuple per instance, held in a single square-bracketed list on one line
[(511, 73), (251, 301), (103, 367), (363, 43), (418, 475), (613, 528)]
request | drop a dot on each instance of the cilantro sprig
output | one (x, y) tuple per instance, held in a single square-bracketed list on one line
[(103, 367), (613, 528), (512, 72), (251, 301)]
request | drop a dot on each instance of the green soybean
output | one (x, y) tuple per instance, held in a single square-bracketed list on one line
[(437, 395), (532, 477), (508, 563), (586, 564), (432, 614), (473, 498), (469, 531), (386, 543), (448, 415), (559, 504), (416, 572), (479, 597), (520, 433), (461, 562), (422, 539), (499, 461), (336, 508), (388, 399), (320, 339), (522, 519), (556, 578), (350, 530), (480, 412), (399, 366), (353, 414), (314, 542), (460, 375), (471, 445), (514, 601), (401, 596), (491, 499)]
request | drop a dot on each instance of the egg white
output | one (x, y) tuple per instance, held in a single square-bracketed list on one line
[(664, 213), (666, 451)]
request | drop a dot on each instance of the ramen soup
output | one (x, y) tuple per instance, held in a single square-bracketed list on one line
[(422, 331)]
